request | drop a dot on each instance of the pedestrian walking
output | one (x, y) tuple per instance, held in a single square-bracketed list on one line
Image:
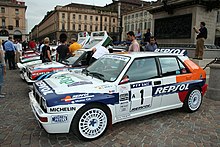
[(134, 47), (10, 53), (62, 51), (201, 36), (2, 69), (18, 53), (152, 45), (46, 53)]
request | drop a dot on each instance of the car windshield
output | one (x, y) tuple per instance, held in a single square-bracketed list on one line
[(92, 43), (108, 67), (71, 60)]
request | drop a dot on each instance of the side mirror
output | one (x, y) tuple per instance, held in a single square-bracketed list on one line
[(124, 80)]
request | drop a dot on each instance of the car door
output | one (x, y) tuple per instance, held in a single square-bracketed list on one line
[(135, 89), (174, 81)]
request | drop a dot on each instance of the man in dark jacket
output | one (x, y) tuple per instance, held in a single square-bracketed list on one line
[(201, 36)]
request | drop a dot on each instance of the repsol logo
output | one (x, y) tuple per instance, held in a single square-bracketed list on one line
[(174, 51), (171, 89), (64, 109), (44, 88)]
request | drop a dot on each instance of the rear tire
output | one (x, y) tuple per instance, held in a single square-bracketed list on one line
[(91, 122), (193, 100)]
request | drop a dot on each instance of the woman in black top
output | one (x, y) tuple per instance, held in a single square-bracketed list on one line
[(46, 53)]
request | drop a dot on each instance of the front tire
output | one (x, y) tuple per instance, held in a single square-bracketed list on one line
[(193, 100), (91, 122)]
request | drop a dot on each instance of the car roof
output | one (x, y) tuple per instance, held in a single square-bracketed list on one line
[(148, 54)]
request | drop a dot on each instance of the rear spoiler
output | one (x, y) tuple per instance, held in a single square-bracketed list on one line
[(172, 51)]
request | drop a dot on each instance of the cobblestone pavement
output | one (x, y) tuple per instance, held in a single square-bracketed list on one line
[(18, 126)]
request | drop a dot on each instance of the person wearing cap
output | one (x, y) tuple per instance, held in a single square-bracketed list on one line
[(2, 69), (74, 46)]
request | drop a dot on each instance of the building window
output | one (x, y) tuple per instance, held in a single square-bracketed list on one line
[(80, 17), (105, 28), (74, 27), (218, 17), (63, 26), (96, 18), (145, 25), (85, 27), (79, 26), (63, 15), (149, 24), (136, 15), (141, 14), (136, 26), (74, 16), (132, 27), (91, 18), (16, 11), (114, 20), (132, 16), (128, 17), (2, 10), (105, 19), (140, 26), (96, 28), (91, 28), (3, 22), (113, 29), (85, 17), (17, 23)]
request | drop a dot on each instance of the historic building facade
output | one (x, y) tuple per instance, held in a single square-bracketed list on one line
[(137, 20), (12, 19), (67, 21), (73, 18)]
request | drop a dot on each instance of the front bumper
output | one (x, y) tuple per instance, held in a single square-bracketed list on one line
[(27, 79), (50, 125)]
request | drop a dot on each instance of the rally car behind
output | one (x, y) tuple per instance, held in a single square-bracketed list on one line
[(117, 88)]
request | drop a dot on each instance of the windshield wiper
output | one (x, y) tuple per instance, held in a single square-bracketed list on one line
[(98, 75), (85, 71)]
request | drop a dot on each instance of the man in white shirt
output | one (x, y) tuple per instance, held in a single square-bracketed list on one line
[(97, 53), (134, 47)]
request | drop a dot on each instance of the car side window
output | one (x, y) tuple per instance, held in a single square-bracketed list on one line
[(171, 66), (142, 69)]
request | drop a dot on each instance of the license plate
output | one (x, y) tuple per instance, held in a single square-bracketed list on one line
[(59, 119)]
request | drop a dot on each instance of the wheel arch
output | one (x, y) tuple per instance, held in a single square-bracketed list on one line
[(96, 103)]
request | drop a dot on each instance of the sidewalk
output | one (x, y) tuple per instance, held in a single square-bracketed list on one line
[(18, 126)]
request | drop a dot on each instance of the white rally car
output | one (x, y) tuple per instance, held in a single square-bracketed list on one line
[(115, 88)]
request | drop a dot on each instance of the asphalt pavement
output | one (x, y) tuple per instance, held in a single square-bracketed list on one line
[(175, 128)]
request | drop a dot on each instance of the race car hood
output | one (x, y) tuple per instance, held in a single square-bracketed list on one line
[(46, 65), (76, 82), (75, 88)]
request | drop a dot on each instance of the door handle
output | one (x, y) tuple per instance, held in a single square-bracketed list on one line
[(157, 82)]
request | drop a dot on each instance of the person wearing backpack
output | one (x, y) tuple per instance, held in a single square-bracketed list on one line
[(201, 36)]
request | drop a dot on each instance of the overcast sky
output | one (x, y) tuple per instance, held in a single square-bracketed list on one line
[(36, 9)]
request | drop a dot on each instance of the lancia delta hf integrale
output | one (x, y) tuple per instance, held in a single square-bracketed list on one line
[(117, 88)]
